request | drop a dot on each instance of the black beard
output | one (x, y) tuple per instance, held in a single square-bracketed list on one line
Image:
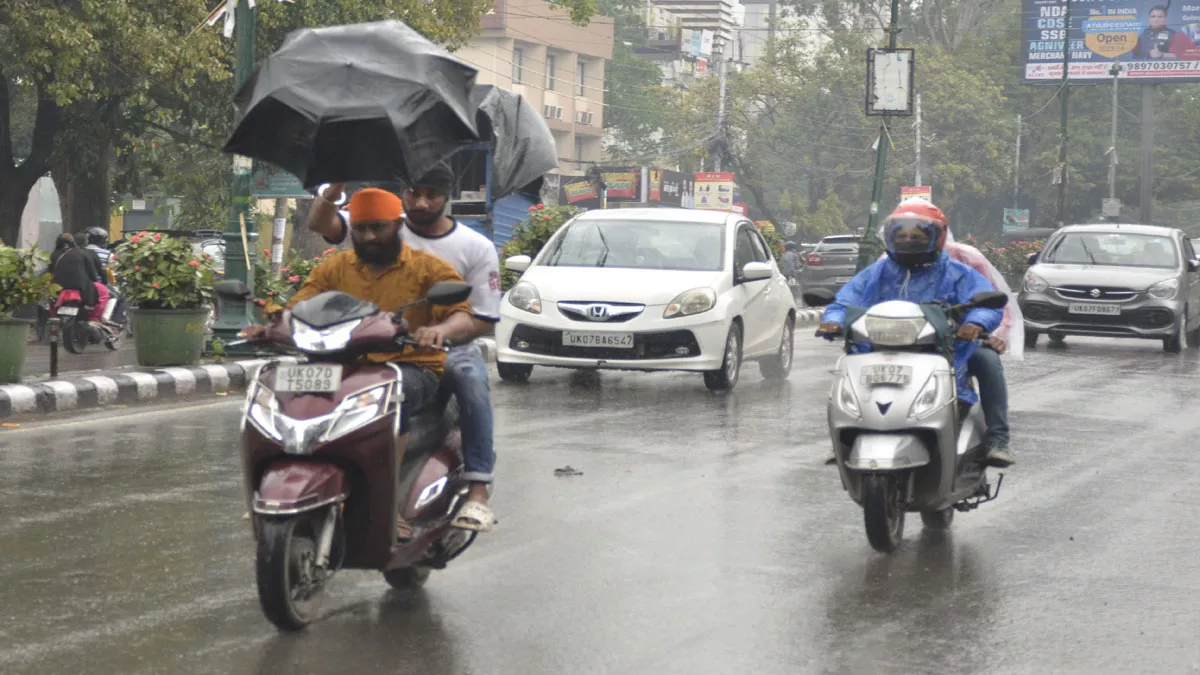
[(424, 220), (379, 253)]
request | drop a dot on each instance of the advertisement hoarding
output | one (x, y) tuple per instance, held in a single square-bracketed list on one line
[(923, 191), (268, 181), (714, 191), (579, 190), (1016, 219), (623, 184), (1155, 40)]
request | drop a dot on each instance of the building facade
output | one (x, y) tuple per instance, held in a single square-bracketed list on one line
[(717, 16)]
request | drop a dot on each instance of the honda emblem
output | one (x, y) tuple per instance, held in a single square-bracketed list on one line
[(597, 312)]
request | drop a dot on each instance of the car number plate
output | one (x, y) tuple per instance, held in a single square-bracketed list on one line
[(1089, 308), (320, 378), (614, 340), (887, 374), (843, 280), (68, 311)]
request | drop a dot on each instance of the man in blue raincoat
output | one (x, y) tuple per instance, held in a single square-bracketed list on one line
[(916, 269)]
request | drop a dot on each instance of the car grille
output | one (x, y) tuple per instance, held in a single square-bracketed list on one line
[(600, 312), (1142, 317), (662, 345), (1109, 293)]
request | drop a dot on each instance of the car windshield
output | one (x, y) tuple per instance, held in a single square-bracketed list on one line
[(639, 245), (1117, 249)]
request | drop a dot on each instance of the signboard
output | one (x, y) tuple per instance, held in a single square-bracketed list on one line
[(578, 191), (1110, 207), (923, 191), (623, 184), (1155, 39), (890, 81), (740, 208), (268, 181), (765, 225), (714, 191), (1016, 219)]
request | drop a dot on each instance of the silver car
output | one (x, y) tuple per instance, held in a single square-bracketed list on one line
[(1111, 280)]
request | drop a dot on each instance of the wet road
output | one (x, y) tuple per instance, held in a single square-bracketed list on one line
[(704, 536)]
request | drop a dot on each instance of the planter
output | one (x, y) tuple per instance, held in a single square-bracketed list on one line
[(14, 337), (169, 337)]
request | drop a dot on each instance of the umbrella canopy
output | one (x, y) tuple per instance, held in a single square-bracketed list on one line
[(372, 101), (524, 147)]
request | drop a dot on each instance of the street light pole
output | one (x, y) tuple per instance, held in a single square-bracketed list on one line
[(236, 314), (1112, 148), (869, 244), (1061, 170)]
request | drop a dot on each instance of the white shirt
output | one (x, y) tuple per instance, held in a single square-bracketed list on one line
[(471, 254)]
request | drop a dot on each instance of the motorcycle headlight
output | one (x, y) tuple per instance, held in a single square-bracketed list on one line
[(1034, 283), (355, 412), (318, 340), (845, 396), (893, 332), (691, 302), (1164, 290), (263, 410), (928, 398), (525, 296)]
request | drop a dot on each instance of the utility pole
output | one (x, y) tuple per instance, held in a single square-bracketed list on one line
[(1017, 165), (277, 235), (917, 144), (1147, 175), (236, 314), (1112, 143), (720, 111), (772, 14), (868, 249), (1065, 92)]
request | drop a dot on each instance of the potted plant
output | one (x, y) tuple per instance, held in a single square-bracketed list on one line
[(23, 281), (169, 288), (531, 234)]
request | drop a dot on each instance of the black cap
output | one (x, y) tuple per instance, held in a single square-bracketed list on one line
[(440, 178)]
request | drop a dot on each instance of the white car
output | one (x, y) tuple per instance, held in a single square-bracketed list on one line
[(649, 289)]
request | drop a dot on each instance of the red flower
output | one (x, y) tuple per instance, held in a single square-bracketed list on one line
[(284, 270), (270, 292), (158, 237), (143, 233), (328, 251), (533, 208), (194, 263), (137, 268), (134, 239), (266, 252), (157, 286), (540, 207), (294, 279)]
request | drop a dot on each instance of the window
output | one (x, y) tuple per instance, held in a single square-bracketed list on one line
[(580, 77), (744, 253), (517, 58), (762, 252), (550, 67), (578, 148)]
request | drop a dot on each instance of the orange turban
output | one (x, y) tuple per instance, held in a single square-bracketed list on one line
[(374, 204)]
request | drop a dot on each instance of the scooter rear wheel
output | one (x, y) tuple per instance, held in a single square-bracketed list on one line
[(883, 514), (74, 335), (290, 587), (407, 578)]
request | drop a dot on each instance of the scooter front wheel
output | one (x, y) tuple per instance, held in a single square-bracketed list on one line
[(883, 514), (407, 578), (938, 520), (290, 586)]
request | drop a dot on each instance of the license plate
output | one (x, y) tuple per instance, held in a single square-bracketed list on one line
[(843, 280), (887, 374), (1089, 308), (68, 311), (616, 340), (308, 378)]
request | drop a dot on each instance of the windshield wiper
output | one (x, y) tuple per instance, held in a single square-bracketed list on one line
[(604, 242), (1088, 251)]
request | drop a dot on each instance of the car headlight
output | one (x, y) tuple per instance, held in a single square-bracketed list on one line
[(1164, 290), (845, 396), (888, 332), (1034, 283), (928, 398), (691, 302), (525, 296), (263, 410), (317, 340)]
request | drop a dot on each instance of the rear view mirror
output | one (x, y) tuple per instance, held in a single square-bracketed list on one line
[(756, 271), (817, 297), (233, 288), (990, 300), (518, 263), (448, 293)]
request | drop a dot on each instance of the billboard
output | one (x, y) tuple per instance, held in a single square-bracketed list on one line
[(714, 191), (1155, 40)]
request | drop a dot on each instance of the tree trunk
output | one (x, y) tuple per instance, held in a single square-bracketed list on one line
[(82, 172), (16, 180)]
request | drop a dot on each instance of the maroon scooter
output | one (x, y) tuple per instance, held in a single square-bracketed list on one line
[(320, 446)]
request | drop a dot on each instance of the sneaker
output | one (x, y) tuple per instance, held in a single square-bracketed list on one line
[(999, 455)]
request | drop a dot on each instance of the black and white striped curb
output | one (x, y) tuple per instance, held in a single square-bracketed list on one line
[(808, 316)]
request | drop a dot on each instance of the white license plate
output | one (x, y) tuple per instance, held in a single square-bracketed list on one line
[(1089, 308), (843, 280), (320, 378), (68, 311), (887, 374), (615, 340)]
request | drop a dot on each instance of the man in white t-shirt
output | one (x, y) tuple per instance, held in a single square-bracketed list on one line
[(428, 227)]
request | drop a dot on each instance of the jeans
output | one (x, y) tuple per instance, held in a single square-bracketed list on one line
[(419, 387), (985, 365), (468, 375)]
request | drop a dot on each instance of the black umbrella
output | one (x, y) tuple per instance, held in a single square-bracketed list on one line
[(524, 146), (371, 101)]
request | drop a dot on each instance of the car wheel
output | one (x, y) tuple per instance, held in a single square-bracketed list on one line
[(1193, 337), (778, 366), (1174, 344), (514, 372), (726, 377)]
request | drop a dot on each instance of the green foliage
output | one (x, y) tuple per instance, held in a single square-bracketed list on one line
[(1012, 260), (774, 241), (279, 288), (162, 272), (531, 234), (23, 279)]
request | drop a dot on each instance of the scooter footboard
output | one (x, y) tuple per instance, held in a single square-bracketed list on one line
[(289, 487), (876, 452)]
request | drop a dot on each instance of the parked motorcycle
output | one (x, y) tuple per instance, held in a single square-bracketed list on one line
[(77, 332), (320, 442), (902, 440)]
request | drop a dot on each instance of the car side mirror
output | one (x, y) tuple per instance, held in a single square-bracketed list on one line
[(1033, 257), (448, 293), (233, 288), (756, 271), (518, 263), (1193, 265), (990, 300), (817, 297)]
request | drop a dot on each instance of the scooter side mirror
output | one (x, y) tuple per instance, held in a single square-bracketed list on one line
[(448, 293), (233, 288), (818, 297), (989, 300)]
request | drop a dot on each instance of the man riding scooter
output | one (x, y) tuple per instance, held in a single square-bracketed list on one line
[(97, 243), (918, 269)]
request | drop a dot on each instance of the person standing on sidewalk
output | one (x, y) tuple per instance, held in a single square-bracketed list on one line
[(429, 227)]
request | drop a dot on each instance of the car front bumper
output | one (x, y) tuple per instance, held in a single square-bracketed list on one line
[(1142, 317)]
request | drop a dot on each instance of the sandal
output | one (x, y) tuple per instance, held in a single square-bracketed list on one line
[(474, 516)]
